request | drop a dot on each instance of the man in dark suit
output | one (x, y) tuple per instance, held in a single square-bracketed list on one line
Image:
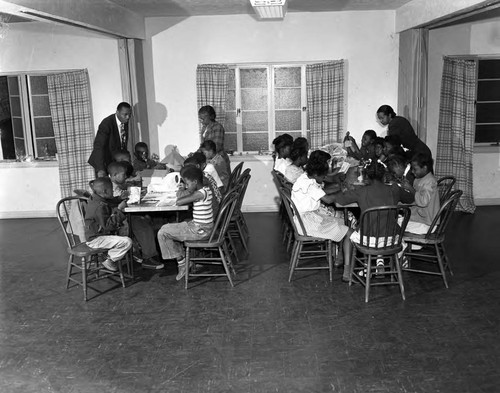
[(112, 135)]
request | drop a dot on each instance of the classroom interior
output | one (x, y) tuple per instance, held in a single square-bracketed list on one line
[(265, 334)]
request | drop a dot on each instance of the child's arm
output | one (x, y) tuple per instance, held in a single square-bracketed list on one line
[(424, 194), (109, 219), (194, 197)]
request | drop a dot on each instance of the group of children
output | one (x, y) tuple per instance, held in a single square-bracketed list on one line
[(388, 184), (204, 177)]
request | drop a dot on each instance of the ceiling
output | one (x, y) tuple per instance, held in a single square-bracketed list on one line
[(160, 8)]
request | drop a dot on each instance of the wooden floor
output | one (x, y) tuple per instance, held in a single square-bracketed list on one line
[(264, 335)]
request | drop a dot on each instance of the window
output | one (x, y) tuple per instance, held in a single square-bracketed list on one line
[(264, 102), (25, 118), (488, 101)]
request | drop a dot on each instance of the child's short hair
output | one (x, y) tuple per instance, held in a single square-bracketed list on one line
[(209, 145), (121, 153), (422, 160), (379, 141), (375, 171), (282, 141), (393, 140), (318, 163), (209, 110), (371, 133), (117, 167), (99, 184), (197, 158), (141, 144), (192, 173), (300, 143), (396, 161)]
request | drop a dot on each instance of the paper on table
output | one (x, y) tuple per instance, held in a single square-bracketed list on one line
[(345, 167)]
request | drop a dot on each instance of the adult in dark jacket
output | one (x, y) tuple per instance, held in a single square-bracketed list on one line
[(398, 125), (112, 135)]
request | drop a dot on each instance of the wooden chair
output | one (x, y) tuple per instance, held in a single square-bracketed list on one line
[(238, 227), (433, 251), (305, 246), (234, 176), (215, 244), (380, 238), (70, 213), (445, 187), (286, 226)]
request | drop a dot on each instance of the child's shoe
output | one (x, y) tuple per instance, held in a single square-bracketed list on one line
[(110, 265), (380, 266), (181, 270)]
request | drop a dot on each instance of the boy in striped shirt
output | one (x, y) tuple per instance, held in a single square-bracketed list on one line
[(172, 236)]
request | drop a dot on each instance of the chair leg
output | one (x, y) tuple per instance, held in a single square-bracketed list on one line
[(188, 262), (84, 278), (226, 268), (353, 261), (446, 260), (368, 277), (230, 262), (242, 235), (294, 248), (395, 260), (295, 259), (330, 244), (69, 271), (233, 248), (120, 272), (440, 263)]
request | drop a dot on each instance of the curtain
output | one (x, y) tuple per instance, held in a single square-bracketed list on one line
[(212, 82), (412, 81), (71, 110), (325, 101), (456, 126)]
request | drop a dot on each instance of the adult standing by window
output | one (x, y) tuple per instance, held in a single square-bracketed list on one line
[(401, 127), (212, 130), (112, 135)]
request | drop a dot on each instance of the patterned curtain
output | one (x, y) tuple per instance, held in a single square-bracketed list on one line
[(212, 81), (71, 110), (325, 100), (456, 127)]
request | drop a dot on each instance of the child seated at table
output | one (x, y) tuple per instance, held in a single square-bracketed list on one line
[(308, 196), (142, 226), (132, 177), (198, 160), (142, 160), (398, 170), (392, 146), (374, 194), (426, 195), (298, 156), (282, 149), (379, 149), (367, 150), (209, 150), (172, 236), (103, 220)]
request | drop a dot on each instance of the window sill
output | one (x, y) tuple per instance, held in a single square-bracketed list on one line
[(250, 157), (25, 164), (486, 149)]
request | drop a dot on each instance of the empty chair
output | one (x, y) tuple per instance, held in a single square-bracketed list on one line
[(234, 176), (445, 187), (432, 251), (380, 239), (215, 244), (304, 246), (70, 213)]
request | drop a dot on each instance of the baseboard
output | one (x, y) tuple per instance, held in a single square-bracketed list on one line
[(28, 214), (487, 201), (259, 208)]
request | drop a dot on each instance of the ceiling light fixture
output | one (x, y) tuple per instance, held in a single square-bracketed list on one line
[(269, 9)]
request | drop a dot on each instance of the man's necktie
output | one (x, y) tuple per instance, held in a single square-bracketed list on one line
[(123, 136)]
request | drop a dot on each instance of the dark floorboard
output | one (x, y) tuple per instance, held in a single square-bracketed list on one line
[(264, 335)]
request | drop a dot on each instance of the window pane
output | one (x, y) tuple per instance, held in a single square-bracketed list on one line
[(15, 106), (46, 147), (254, 141), (41, 106), (287, 98), (254, 99), (287, 76), (232, 79), (254, 121), (13, 86), (17, 125), (39, 85), (288, 120), (488, 113), (7, 137), (231, 100), (487, 133), (488, 90), (43, 127), (230, 124), (20, 150), (230, 141), (253, 77), (488, 69)]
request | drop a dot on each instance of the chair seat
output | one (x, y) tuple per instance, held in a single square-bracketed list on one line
[(82, 250), (200, 244), (378, 251), (423, 239)]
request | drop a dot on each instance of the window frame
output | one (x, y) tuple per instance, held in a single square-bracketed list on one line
[(271, 110)]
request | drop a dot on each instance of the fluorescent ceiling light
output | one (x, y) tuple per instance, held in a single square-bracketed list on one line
[(269, 9)]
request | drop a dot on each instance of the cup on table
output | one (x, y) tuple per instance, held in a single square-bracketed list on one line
[(134, 195)]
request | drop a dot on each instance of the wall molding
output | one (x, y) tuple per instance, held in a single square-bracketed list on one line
[(28, 214), (487, 201)]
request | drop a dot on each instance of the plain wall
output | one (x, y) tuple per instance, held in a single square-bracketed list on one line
[(478, 38), (46, 47), (175, 46)]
